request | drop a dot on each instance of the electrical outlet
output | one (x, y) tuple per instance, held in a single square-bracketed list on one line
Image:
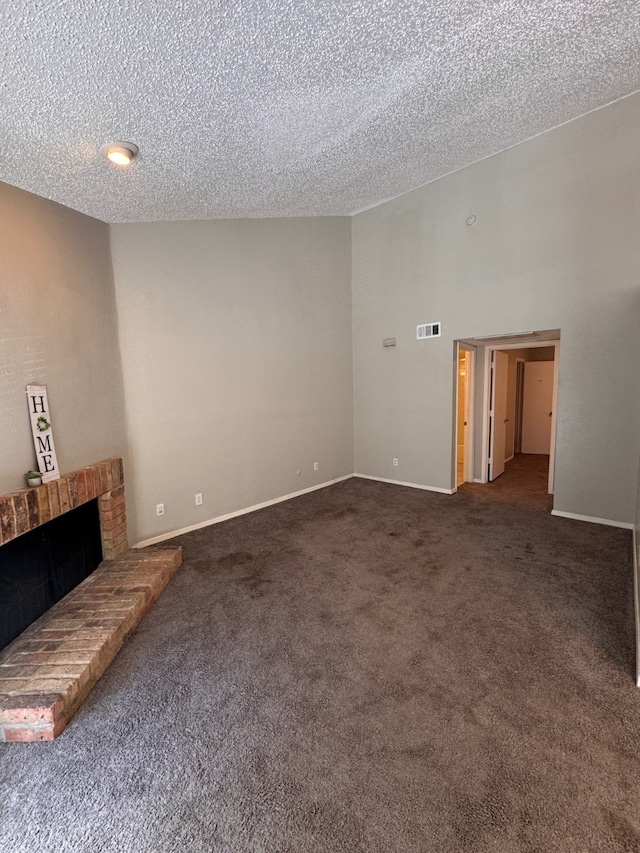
[(395, 461), (199, 499), (315, 466), (159, 509)]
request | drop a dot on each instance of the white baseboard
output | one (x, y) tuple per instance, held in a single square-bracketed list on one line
[(403, 483), (593, 520), (479, 481), (636, 600), (164, 536)]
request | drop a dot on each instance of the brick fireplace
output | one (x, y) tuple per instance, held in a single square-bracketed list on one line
[(47, 671)]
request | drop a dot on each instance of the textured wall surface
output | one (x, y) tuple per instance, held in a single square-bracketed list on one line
[(236, 345), (57, 328), (248, 108), (555, 245), (638, 516)]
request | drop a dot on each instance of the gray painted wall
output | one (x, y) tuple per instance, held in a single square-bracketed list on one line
[(236, 345), (636, 580), (555, 246), (57, 328), (637, 524), (637, 520)]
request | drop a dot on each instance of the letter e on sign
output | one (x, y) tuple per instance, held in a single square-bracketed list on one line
[(42, 435)]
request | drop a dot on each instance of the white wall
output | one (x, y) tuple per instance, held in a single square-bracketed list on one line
[(236, 345), (555, 246), (57, 328)]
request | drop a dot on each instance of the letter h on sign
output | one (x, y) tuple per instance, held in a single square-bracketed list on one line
[(42, 435)]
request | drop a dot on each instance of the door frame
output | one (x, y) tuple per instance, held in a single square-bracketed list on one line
[(490, 348), (493, 396), (469, 431), (518, 413)]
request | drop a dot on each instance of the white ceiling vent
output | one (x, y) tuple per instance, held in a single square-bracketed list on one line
[(428, 330)]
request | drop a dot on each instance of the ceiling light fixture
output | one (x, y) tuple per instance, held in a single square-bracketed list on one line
[(120, 153)]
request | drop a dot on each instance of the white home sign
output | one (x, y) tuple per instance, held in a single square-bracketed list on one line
[(42, 435)]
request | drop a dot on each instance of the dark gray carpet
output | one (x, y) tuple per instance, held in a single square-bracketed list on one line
[(525, 483), (365, 668)]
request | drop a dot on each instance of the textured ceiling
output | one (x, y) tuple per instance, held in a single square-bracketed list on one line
[(290, 107)]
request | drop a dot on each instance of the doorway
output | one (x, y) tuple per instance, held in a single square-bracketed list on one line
[(520, 407), (515, 413), (465, 396)]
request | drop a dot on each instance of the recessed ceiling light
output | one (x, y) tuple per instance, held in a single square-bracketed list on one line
[(120, 153)]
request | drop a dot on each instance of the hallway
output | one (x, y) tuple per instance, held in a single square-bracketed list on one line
[(524, 483)]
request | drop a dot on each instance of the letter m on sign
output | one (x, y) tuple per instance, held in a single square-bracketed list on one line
[(43, 445), (41, 431)]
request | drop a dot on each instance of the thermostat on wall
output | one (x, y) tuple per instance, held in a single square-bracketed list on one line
[(428, 330)]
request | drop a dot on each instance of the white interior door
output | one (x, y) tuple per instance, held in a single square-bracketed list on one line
[(498, 413), (537, 407)]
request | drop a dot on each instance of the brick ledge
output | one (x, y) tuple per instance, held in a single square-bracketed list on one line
[(48, 671), (27, 509)]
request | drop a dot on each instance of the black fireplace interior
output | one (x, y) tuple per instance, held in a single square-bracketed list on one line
[(41, 567)]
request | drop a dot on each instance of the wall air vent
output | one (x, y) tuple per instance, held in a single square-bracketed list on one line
[(428, 330)]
